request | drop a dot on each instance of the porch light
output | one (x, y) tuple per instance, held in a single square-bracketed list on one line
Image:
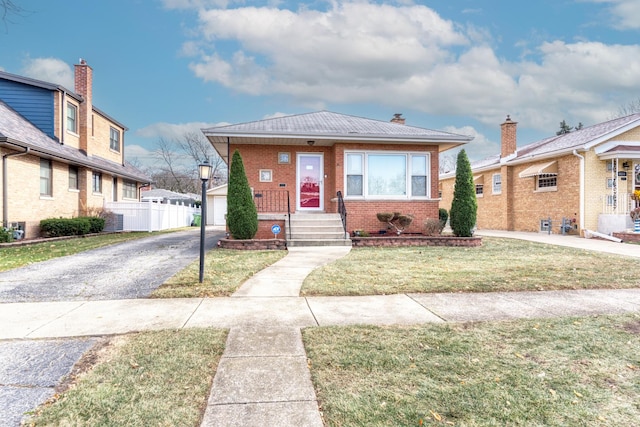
[(205, 173), (311, 143)]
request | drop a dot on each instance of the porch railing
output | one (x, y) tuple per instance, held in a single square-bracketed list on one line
[(342, 210), (617, 204), (273, 201)]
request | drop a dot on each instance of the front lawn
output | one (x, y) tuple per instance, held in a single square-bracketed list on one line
[(498, 265), (548, 372), (159, 378)]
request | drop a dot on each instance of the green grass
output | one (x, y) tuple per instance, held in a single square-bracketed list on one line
[(146, 379), (19, 256), (224, 271), (498, 265), (558, 372)]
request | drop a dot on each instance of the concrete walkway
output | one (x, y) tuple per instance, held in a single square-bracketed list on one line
[(263, 377)]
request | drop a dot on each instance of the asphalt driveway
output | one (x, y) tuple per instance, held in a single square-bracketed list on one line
[(125, 270), (30, 370)]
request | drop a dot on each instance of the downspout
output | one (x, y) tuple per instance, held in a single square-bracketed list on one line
[(581, 157), (5, 184), (228, 158), (63, 122)]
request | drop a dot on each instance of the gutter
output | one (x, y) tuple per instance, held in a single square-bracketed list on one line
[(5, 196), (581, 157)]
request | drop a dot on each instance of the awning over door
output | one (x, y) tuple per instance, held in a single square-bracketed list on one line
[(550, 168)]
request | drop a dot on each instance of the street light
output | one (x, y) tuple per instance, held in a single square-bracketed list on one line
[(205, 172)]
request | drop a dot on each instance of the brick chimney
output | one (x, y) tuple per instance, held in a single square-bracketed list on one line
[(397, 118), (508, 137), (84, 87)]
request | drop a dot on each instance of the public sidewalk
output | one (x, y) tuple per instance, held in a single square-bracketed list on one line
[(263, 378)]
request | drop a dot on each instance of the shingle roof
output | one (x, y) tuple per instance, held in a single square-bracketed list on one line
[(579, 139), (18, 131), (329, 124)]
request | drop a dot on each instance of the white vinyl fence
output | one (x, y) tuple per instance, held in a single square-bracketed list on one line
[(149, 216)]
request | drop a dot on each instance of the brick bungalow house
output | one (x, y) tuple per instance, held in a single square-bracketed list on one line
[(61, 156), (298, 164), (586, 176)]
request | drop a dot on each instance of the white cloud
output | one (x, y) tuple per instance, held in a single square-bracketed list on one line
[(173, 131), (52, 70), (408, 56), (626, 13), (480, 147)]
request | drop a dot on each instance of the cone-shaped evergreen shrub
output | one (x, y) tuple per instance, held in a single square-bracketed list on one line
[(464, 207), (242, 216)]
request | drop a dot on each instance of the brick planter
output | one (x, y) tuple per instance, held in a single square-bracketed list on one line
[(628, 236), (399, 241), (253, 244)]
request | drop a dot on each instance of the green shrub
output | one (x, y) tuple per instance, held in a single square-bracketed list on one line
[(57, 227), (242, 215), (443, 217), (464, 207), (96, 224), (6, 235)]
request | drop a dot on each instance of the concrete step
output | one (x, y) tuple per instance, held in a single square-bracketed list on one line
[(317, 229), (329, 228), (318, 235), (319, 242)]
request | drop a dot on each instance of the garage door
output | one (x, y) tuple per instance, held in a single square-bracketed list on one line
[(219, 210)]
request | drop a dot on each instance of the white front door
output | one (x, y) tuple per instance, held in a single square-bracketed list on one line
[(310, 182)]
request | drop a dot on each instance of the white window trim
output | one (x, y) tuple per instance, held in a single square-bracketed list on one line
[(493, 184), (408, 175), (111, 128), (74, 132)]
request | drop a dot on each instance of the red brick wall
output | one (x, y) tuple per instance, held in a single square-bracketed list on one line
[(361, 213)]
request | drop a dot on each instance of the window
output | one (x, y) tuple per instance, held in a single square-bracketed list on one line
[(546, 181), (354, 175), (114, 140), (418, 176), (96, 182), (72, 118), (46, 177), (497, 183), (129, 190), (73, 178), (387, 175), (479, 189)]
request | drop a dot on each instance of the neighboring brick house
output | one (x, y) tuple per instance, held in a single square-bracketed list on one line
[(586, 176), (377, 166), (61, 156)]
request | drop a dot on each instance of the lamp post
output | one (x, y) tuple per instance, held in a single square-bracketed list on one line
[(205, 172)]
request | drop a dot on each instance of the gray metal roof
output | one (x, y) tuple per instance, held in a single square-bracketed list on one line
[(326, 128), (328, 124), (18, 132)]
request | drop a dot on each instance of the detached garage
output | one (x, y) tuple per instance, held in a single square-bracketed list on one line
[(217, 205)]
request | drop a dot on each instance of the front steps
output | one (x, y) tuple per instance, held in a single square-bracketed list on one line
[(317, 229)]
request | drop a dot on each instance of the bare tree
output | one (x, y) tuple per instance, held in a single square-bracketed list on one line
[(628, 109), (196, 146), (7, 9), (447, 163), (180, 159)]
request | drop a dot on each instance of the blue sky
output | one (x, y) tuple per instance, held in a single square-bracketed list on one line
[(163, 67)]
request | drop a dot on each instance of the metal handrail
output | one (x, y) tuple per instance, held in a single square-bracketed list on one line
[(289, 215), (274, 201), (342, 210)]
